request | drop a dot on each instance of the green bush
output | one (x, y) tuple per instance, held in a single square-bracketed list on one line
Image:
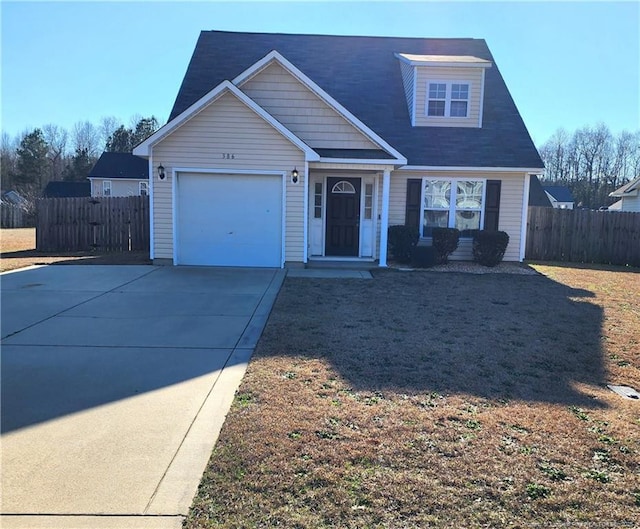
[(489, 246), (445, 241), (402, 240), (423, 256)]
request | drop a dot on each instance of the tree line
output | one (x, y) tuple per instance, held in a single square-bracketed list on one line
[(30, 160), (592, 162)]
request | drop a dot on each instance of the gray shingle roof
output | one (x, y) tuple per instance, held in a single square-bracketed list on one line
[(67, 189), (363, 75), (120, 165), (537, 196), (560, 193)]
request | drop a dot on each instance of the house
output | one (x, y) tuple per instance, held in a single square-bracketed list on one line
[(67, 189), (537, 195), (14, 198), (560, 196), (283, 150), (629, 195), (119, 174)]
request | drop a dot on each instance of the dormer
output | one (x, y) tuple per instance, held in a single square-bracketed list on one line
[(444, 90)]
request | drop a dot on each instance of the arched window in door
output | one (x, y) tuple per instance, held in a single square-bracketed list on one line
[(343, 187)]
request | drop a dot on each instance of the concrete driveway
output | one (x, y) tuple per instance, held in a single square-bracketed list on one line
[(115, 384)]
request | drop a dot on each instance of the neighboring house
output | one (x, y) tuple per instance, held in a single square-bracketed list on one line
[(119, 174), (537, 195), (560, 196), (616, 206), (67, 189), (629, 195), (14, 198), (286, 149)]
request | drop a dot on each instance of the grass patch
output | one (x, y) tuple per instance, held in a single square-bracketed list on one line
[(436, 400), (17, 247)]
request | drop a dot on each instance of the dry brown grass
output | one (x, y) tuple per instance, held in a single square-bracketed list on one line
[(18, 251), (436, 400)]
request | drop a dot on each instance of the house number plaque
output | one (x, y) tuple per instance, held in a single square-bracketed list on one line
[(228, 156)]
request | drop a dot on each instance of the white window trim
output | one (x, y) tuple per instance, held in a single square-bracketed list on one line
[(452, 204), (448, 99), (146, 187), (106, 186)]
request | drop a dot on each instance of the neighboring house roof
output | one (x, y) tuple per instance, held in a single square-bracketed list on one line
[(628, 190), (120, 165), (616, 206), (363, 75), (67, 189), (559, 193), (537, 196), (14, 198)]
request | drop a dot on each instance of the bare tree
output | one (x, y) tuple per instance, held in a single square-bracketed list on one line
[(56, 138), (591, 162), (8, 159), (85, 136), (108, 125)]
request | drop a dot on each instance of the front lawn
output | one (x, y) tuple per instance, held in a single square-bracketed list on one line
[(431, 399)]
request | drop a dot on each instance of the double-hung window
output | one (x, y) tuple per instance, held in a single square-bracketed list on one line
[(106, 188), (447, 99), (143, 188), (452, 203)]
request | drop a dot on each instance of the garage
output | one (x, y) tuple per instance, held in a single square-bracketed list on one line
[(227, 219)]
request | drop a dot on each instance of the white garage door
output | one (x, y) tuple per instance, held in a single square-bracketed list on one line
[(229, 220)]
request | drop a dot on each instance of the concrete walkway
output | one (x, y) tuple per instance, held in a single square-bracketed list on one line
[(115, 383)]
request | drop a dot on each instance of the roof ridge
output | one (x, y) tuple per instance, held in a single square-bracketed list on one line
[(386, 37)]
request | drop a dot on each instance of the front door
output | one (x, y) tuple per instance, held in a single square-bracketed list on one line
[(343, 217)]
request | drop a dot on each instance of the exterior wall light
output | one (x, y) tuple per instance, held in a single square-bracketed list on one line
[(294, 175), (161, 173)]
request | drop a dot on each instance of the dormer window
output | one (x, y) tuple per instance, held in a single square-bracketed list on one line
[(444, 90), (447, 99)]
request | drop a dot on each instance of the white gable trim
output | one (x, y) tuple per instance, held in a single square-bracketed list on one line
[(144, 149), (534, 170), (274, 56)]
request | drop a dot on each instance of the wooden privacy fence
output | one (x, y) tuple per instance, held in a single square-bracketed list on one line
[(583, 236), (105, 224), (13, 216)]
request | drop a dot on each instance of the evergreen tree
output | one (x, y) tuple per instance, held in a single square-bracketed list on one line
[(32, 162), (78, 169), (121, 140)]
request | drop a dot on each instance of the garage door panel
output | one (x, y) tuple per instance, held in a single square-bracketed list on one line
[(229, 220)]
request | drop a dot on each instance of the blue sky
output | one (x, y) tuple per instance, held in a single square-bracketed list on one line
[(567, 64)]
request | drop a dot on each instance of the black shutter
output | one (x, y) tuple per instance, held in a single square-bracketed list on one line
[(412, 213), (492, 205)]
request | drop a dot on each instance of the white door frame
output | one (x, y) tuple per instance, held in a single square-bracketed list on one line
[(319, 177)]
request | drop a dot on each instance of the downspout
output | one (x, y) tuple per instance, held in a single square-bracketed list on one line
[(305, 222), (525, 214), (151, 238), (384, 221)]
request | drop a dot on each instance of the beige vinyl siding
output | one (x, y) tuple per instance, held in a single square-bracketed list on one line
[(426, 74), (227, 126), (511, 195), (120, 187), (301, 111), (631, 204), (408, 77)]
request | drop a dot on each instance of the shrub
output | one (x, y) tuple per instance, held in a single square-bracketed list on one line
[(423, 256), (402, 240), (445, 241), (489, 246)]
